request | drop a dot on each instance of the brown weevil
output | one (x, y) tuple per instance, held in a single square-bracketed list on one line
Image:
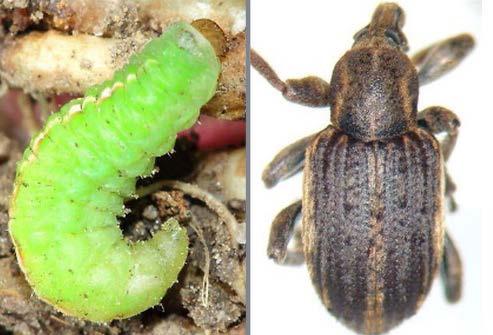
[(374, 181)]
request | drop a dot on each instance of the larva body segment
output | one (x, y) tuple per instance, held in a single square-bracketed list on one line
[(75, 175)]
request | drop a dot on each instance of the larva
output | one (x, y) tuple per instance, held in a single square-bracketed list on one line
[(74, 177)]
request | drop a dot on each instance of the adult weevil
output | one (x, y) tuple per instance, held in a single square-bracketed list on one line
[(375, 183)]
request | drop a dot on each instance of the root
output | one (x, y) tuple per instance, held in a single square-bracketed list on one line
[(235, 229), (27, 111), (47, 106), (205, 282), (3, 88)]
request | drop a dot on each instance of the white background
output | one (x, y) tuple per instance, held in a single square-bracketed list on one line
[(300, 38)]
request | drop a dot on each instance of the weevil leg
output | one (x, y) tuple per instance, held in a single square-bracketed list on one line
[(444, 124), (449, 191), (287, 162), (441, 57), (309, 91), (282, 230), (296, 255), (451, 271)]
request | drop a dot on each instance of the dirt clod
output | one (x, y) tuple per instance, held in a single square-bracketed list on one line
[(171, 204), (9, 155)]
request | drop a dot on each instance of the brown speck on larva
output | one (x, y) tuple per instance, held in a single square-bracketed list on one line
[(375, 183)]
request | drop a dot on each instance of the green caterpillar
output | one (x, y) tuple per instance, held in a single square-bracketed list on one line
[(74, 177)]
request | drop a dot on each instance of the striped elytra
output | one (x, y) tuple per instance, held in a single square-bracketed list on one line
[(73, 179), (372, 225)]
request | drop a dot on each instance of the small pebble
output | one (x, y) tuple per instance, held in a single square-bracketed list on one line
[(150, 213)]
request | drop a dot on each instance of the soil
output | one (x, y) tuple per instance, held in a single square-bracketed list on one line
[(119, 18), (58, 46)]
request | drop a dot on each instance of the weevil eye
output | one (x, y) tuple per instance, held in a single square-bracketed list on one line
[(396, 39), (392, 37), (363, 32)]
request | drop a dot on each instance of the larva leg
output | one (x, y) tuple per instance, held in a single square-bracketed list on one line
[(444, 125), (451, 271), (441, 57), (309, 91), (287, 162), (282, 230)]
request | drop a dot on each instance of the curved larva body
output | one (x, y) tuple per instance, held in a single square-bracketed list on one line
[(73, 179), (373, 225)]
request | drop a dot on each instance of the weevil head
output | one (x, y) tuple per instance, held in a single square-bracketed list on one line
[(384, 29), (374, 87)]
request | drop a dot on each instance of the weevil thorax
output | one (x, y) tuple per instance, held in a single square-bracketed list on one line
[(374, 86)]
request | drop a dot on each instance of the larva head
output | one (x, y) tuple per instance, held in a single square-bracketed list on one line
[(190, 55)]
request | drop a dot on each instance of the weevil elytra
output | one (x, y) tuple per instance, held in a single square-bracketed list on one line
[(375, 182)]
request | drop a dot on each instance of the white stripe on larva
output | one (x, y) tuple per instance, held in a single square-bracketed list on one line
[(38, 139), (108, 91), (75, 109), (87, 100)]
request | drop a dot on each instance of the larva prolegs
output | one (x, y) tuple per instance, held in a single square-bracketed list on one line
[(72, 182), (170, 239)]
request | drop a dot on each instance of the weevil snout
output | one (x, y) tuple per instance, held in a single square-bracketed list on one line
[(384, 29)]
